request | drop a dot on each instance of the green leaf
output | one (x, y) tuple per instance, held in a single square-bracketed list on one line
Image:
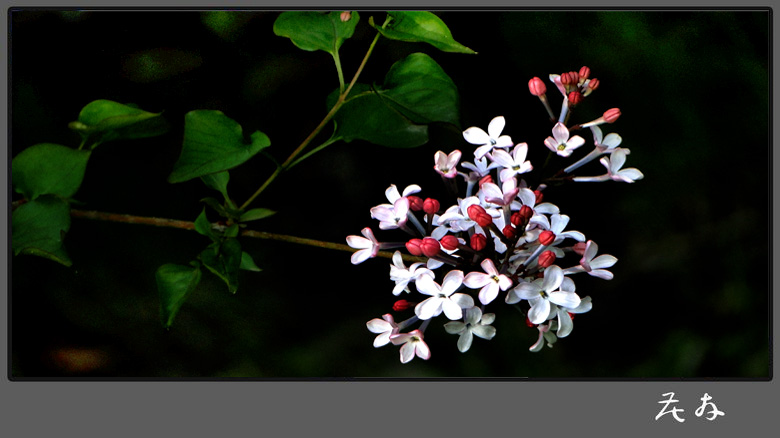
[(174, 284), (203, 226), (255, 214), (48, 168), (217, 181), (415, 93), (213, 203), (421, 26), (312, 31), (103, 120), (224, 261), (213, 143), (248, 264), (38, 228)]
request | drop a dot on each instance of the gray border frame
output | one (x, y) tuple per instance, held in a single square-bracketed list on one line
[(288, 408)]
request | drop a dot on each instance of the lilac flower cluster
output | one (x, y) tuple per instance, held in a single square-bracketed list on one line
[(498, 237)]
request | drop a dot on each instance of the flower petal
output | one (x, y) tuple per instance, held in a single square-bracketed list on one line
[(488, 293), (539, 311), (484, 331), (451, 309), (496, 126), (476, 135), (464, 342), (564, 299)]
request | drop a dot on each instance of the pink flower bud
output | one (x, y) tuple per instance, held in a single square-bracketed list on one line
[(430, 247), (579, 248), (450, 242), (415, 203), (537, 87), (584, 72), (546, 237), (546, 258), (414, 247), (539, 196), (611, 115), (479, 215), (516, 219), (346, 16), (478, 242), (575, 77), (575, 98), (566, 79), (593, 84), (509, 231), (431, 206), (526, 212), (401, 305)]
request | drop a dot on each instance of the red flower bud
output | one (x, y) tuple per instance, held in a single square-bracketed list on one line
[(485, 179), (584, 72), (526, 212), (414, 247), (593, 84), (415, 203), (450, 242), (537, 87), (509, 231), (430, 247), (539, 196), (575, 98), (611, 115), (546, 237), (566, 79), (528, 322), (345, 16), (431, 206), (579, 248), (546, 258), (478, 242), (575, 77), (479, 215), (516, 219), (402, 305)]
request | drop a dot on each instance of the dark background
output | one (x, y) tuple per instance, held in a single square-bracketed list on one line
[(690, 297)]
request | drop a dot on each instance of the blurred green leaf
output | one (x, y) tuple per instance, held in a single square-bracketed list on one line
[(48, 168), (38, 228), (103, 120), (255, 214), (421, 26), (218, 181), (203, 226), (174, 284), (224, 260), (416, 92), (213, 143), (316, 30), (219, 208), (248, 263)]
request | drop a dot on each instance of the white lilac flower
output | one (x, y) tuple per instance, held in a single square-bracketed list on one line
[(545, 334), (403, 275), (613, 165), (540, 293), (442, 298), (391, 217), (413, 344), (475, 324), (446, 165), (514, 163), (557, 223), (392, 192), (565, 323), (457, 217), (594, 265), (489, 281), (385, 327), (490, 139), (368, 246), (605, 145), (560, 143), (480, 168), (500, 196)]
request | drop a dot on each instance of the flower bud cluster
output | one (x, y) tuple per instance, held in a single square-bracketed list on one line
[(497, 241)]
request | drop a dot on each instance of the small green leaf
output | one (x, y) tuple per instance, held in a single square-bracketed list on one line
[(248, 264), (255, 214), (203, 226), (213, 143), (174, 284), (48, 168), (421, 26), (213, 203), (38, 228), (217, 181), (103, 120), (312, 31), (224, 261), (416, 92), (231, 231)]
